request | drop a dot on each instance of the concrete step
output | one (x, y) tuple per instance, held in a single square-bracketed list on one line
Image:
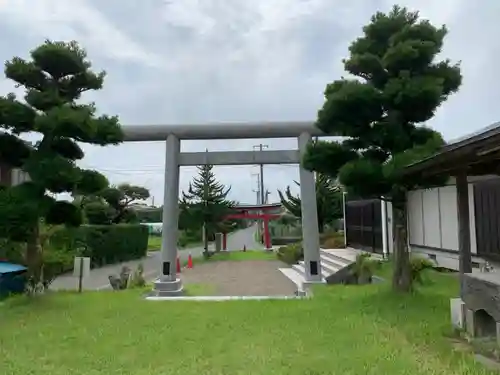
[(300, 269), (326, 268), (341, 256), (332, 260), (297, 278)]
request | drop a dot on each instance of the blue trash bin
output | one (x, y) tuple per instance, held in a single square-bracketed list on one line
[(12, 278)]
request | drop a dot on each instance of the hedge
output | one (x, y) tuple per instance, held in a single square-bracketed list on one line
[(105, 244), (279, 241), (291, 253)]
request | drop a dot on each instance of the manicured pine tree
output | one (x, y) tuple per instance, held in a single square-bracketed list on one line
[(397, 85), (54, 79)]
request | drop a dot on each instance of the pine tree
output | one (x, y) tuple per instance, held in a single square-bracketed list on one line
[(398, 85), (205, 204), (54, 80), (328, 201)]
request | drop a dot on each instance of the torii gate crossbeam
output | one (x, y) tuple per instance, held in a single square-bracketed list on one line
[(168, 283)]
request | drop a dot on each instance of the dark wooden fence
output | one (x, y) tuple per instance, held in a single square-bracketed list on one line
[(487, 215), (364, 225)]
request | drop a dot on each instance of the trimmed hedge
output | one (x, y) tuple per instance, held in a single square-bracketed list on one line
[(332, 240), (279, 241), (105, 244), (291, 254)]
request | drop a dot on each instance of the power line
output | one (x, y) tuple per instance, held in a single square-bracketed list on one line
[(162, 169)]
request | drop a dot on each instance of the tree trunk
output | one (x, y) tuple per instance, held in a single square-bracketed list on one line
[(321, 224), (206, 253), (401, 278), (33, 256)]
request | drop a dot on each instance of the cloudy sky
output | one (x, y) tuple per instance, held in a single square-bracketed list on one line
[(196, 61)]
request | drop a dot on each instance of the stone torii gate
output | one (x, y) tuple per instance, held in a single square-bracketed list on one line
[(168, 283)]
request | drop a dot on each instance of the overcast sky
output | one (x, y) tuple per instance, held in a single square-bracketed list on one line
[(196, 61)]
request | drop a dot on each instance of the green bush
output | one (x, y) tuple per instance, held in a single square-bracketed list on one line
[(291, 254), (418, 267), (332, 240), (278, 241), (105, 244), (12, 251), (56, 261), (188, 237), (363, 269)]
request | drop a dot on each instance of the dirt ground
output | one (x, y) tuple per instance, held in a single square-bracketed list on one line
[(241, 278)]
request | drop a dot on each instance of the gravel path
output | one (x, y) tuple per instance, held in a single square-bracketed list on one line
[(241, 278), (99, 276)]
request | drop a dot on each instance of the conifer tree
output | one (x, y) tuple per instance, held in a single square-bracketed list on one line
[(328, 201), (54, 79), (205, 204), (397, 85)]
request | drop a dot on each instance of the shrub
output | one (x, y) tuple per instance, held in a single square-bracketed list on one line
[(56, 261), (99, 213), (364, 268), (12, 251), (291, 254), (106, 244), (418, 266), (187, 237), (278, 241), (332, 240)]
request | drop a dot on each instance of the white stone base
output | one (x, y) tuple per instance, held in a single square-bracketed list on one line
[(457, 310), (167, 288), (219, 298)]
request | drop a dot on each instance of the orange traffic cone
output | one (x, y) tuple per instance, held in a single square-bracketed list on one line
[(244, 247), (178, 265), (190, 261)]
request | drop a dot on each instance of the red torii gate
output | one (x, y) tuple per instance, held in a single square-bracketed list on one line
[(267, 212)]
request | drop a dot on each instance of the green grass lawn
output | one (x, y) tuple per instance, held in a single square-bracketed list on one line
[(193, 289), (342, 330), (154, 243), (243, 255)]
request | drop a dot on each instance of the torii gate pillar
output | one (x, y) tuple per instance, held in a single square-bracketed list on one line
[(168, 284), (309, 214)]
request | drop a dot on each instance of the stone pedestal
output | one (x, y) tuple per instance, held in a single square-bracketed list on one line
[(457, 308), (167, 288), (480, 293)]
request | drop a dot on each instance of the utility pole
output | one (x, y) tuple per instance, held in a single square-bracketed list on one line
[(205, 199), (261, 147), (258, 196)]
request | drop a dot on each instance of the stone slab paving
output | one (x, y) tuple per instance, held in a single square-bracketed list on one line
[(241, 278)]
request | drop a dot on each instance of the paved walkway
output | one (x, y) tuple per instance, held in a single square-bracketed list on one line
[(241, 278), (244, 237), (99, 277)]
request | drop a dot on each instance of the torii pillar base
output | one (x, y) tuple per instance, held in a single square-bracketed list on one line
[(167, 288)]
